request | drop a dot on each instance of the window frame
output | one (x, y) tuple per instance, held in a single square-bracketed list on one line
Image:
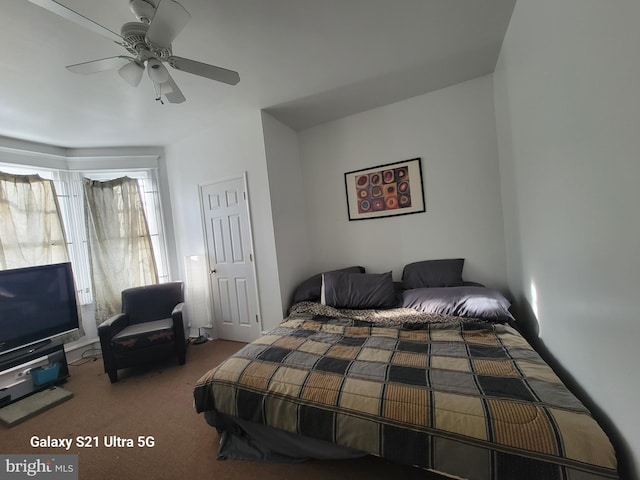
[(69, 192)]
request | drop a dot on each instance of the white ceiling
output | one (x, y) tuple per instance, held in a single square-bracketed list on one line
[(305, 61)]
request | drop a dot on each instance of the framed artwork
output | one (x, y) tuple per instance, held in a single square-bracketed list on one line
[(385, 190)]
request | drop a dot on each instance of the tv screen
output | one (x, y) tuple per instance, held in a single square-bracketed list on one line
[(36, 304)]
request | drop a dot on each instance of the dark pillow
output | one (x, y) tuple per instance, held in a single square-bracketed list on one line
[(309, 290), (358, 290), (474, 302), (433, 273)]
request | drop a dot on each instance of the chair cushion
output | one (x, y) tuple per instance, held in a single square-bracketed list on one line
[(142, 335)]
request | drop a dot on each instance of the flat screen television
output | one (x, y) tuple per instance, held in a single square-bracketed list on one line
[(36, 304)]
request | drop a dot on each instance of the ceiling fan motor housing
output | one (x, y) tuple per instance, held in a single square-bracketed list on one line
[(134, 35)]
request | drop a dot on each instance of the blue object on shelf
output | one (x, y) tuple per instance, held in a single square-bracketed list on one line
[(45, 374)]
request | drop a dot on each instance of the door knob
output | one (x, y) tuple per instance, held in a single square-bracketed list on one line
[(212, 271)]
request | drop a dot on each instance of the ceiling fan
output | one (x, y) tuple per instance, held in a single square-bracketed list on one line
[(149, 42)]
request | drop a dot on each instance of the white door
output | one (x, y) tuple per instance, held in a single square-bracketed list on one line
[(225, 210)]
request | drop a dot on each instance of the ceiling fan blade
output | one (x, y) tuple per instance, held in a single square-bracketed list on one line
[(101, 65), (175, 95), (65, 12), (204, 70), (168, 21)]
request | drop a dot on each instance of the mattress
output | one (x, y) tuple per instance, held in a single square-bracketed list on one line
[(460, 396)]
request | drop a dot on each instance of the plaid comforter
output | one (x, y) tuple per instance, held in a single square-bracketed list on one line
[(458, 396)]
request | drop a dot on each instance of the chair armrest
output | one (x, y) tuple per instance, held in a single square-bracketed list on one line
[(106, 331), (178, 309), (113, 325), (179, 322)]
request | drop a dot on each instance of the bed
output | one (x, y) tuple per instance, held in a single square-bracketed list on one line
[(430, 373)]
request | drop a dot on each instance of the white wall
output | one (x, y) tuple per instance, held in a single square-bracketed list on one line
[(568, 115), (287, 205), (223, 151), (453, 131)]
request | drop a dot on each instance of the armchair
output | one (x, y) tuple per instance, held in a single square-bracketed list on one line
[(150, 327)]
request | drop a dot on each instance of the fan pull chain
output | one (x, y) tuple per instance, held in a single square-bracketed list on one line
[(158, 88)]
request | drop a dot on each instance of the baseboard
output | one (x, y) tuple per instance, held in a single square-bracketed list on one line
[(74, 350)]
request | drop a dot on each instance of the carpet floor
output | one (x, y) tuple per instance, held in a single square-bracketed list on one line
[(157, 402)]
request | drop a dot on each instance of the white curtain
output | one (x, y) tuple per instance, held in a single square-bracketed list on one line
[(31, 228), (31, 231), (120, 249)]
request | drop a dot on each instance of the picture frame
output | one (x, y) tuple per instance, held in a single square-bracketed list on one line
[(385, 190)]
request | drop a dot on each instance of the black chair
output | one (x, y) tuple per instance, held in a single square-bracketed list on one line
[(150, 327)]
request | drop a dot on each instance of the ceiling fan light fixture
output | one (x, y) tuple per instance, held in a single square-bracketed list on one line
[(157, 71), (131, 73)]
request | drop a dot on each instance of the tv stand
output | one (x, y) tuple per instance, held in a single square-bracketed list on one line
[(20, 353), (54, 353), (37, 346)]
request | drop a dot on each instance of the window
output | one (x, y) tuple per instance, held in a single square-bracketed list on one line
[(69, 191)]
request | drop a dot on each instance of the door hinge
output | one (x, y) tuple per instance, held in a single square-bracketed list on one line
[(257, 321), (244, 195), (251, 257)]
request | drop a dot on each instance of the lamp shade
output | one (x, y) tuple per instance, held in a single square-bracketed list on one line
[(157, 71), (131, 73)]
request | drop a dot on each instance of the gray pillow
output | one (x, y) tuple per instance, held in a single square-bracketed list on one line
[(358, 290), (433, 273), (309, 290), (473, 302)]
